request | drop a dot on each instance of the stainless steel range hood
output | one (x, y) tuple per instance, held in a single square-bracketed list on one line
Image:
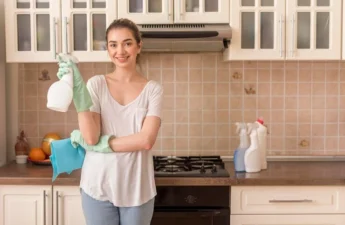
[(185, 37)]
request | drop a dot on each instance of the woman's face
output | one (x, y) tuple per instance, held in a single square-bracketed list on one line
[(122, 47)]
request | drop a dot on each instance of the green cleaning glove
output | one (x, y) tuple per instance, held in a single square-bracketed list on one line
[(81, 96), (102, 146)]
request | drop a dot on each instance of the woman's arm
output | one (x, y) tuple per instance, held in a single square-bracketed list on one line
[(89, 125), (144, 140)]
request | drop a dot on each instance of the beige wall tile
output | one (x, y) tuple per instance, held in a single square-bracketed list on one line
[(204, 97)]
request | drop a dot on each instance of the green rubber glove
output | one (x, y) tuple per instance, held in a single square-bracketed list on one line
[(102, 146), (81, 96)]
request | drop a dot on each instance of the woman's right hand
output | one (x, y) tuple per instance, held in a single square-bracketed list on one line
[(66, 66), (81, 96)]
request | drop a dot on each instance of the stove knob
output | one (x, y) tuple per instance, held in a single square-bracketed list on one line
[(214, 168), (202, 169)]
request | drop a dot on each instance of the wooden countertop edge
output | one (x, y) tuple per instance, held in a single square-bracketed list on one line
[(181, 181), (160, 181)]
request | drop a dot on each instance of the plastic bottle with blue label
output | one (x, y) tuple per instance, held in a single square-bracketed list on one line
[(241, 150), (252, 157)]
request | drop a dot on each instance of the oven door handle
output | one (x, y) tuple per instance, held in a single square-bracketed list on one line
[(190, 213)]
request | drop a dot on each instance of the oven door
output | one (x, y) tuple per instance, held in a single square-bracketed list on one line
[(191, 217)]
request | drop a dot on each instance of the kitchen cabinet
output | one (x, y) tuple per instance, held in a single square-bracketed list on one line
[(29, 205), (40, 205), (287, 220), (67, 208), (285, 30), (174, 11), (287, 205), (38, 30)]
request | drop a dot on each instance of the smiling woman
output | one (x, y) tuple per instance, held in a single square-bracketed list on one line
[(117, 183)]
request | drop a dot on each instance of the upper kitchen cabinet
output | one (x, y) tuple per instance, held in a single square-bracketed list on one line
[(313, 29), (38, 30), (174, 11), (84, 23), (291, 30), (257, 29), (31, 29)]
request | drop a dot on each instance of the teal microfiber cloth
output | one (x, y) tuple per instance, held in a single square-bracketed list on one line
[(65, 158)]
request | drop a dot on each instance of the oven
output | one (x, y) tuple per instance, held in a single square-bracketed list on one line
[(192, 205)]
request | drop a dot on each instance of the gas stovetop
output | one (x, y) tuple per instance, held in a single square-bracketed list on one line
[(189, 166)]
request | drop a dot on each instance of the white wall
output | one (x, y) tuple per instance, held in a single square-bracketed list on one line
[(3, 148)]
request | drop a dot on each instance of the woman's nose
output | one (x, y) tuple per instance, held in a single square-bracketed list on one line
[(120, 49)]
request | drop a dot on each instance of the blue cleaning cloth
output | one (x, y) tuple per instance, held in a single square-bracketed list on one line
[(65, 158)]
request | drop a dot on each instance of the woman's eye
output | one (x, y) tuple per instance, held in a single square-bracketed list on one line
[(128, 44)]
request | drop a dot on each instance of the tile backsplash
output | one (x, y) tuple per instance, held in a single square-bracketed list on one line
[(302, 103)]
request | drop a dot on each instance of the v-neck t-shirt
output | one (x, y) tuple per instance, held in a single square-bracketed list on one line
[(124, 178)]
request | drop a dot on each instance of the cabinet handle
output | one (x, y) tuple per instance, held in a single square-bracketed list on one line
[(291, 201), (281, 35), (292, 34), (57, 207), (66, 34), (167, 8), (54, 36), (44, 208), (181, 8)]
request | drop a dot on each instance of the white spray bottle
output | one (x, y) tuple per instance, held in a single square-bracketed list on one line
[(252, 159), (60, 93), (262, 138), (240, 151)]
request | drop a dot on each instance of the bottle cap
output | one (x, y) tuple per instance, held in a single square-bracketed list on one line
[(260, 120)]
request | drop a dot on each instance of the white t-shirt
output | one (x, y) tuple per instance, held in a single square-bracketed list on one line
[(124, 178)]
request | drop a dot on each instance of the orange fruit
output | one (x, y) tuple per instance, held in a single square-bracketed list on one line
[(37, 154), (48, 138)]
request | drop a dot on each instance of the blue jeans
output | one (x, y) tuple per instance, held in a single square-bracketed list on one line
[(105, 213)]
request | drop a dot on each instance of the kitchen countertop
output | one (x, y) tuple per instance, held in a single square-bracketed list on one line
[(278, 173)]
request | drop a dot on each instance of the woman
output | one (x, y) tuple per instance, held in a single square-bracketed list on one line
[(117, 128)]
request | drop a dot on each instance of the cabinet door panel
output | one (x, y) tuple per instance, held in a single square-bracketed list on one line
[(201, 11), (146, 11), (313, 29), (31, 30), (84, 25), (67, 206), (258, 29), (29, 205), (287, 219)]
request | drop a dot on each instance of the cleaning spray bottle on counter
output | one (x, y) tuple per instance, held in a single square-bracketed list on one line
[(262, 138), (240, 151), (252, 159)]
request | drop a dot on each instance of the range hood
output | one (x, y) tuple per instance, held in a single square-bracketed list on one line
[(185, 37)]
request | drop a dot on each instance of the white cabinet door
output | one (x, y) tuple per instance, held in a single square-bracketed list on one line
[(84, 23), (313, 29), (258, 30), (287, 220), (29, 205), (32, 28), (201, 11), (146, 11), (67, 208), (265, 200)]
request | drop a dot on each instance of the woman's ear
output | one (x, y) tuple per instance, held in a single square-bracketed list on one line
[(140, 44)]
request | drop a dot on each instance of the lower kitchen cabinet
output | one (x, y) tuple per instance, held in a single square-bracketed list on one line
[(40, 205), (67, 206), (29, 205), (287, 219), (287, 205)]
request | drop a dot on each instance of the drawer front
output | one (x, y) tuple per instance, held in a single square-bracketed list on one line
[(287, 200)]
